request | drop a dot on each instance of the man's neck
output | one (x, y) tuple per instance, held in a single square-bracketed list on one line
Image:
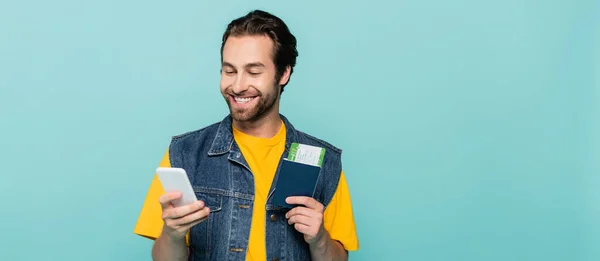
[(265, 127)]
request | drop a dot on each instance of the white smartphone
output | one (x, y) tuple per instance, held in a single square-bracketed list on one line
[(176, 179)]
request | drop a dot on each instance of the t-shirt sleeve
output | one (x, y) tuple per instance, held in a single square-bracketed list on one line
[(150, 223), (338, 218)]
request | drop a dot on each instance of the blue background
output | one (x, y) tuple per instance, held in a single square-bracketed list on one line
[(470, 129)]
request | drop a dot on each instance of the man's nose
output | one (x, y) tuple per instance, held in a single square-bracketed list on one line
[(240, 85)]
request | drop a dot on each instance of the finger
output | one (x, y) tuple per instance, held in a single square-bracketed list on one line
[(306, 216), (300, 211), (182, 211), (178, 212), (306, 201), (166, 198), (300, 219), (182, 225), (304, 229), (199, 215), (190, 225)]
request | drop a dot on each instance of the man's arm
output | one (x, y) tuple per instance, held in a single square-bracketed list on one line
[(328, 250), (308, 220), (171, 245), (167, 248)]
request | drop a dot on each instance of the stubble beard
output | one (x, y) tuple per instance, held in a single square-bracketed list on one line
[(259, 111)]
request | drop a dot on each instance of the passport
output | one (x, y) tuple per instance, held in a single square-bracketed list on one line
[(295, 179)]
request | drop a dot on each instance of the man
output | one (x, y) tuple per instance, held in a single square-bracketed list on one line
[(233, 164)]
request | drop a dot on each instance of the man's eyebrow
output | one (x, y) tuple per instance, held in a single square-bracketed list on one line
[(247, 66), (256, 64), (226, 64)]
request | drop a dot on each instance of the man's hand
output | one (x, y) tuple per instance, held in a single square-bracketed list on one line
[(178, 220), (307, 220)]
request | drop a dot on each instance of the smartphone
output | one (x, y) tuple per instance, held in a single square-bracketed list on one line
[(176, 179)]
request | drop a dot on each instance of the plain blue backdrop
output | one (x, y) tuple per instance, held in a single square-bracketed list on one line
[(470, 129)]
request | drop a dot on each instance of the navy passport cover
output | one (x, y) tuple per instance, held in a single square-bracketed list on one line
[(295, 179)]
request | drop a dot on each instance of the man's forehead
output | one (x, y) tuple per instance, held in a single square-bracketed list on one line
[(249, 39), (247, 49)]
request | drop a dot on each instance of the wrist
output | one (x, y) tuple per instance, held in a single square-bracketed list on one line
[(172, 237), (322, 241)]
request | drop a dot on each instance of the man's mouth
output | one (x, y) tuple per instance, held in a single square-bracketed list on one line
[(243, 100)]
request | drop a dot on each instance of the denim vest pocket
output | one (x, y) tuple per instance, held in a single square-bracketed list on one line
[(201, 234)]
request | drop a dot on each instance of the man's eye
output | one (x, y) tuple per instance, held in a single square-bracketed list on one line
[(229, 72), (254, 73)]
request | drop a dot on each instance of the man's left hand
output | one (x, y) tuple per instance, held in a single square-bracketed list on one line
[(307, 220)]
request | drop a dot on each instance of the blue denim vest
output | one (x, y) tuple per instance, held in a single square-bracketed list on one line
[(222, 179)]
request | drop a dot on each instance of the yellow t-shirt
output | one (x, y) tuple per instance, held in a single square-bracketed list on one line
[(262, 155)]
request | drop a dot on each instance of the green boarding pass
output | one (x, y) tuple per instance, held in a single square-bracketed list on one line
[(306, 154)]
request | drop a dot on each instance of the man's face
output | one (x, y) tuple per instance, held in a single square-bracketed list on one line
[(248, 77)]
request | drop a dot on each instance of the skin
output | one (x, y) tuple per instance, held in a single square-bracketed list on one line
[(249, 86), (248, 71)]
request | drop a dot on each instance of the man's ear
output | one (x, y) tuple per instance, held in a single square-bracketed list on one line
[(285, 77)]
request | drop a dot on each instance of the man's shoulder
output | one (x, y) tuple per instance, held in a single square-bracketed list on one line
[(309, 139), (194, 135)]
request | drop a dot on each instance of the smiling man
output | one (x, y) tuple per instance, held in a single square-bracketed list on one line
[(232, 165)]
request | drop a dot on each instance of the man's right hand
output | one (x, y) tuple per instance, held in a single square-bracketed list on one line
[(178, 220)]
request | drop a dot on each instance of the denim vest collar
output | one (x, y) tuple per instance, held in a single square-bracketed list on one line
[(224, 141)]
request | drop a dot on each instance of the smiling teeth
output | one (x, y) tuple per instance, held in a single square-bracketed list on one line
[(243, 100)]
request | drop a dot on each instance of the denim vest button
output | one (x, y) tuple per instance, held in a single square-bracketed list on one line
[(275, 259), (273, 217)]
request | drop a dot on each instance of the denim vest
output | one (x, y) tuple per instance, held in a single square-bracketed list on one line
[(222, 179)]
